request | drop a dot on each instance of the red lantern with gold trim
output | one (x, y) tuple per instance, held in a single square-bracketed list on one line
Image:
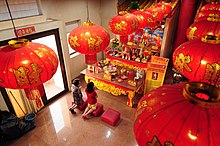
[(89, 38), (210, 13), (142, 18), (172, 115), (201, 28), (157, 12), (123, 24), (199, 60), (210, 7), (26, 64), (166, 7), (150, 20)]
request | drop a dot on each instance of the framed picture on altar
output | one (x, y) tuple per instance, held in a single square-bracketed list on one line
[(154, 75)]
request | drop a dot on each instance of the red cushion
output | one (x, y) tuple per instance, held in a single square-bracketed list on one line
[(111, 116), (98, 111), (83, 106)]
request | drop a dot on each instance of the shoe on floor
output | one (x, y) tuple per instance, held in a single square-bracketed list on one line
[(72, 111)]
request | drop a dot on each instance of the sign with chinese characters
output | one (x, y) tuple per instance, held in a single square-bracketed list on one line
[(25, 31), (156, 71)]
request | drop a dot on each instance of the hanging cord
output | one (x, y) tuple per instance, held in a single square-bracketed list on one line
[(87, 8), (11, 18)]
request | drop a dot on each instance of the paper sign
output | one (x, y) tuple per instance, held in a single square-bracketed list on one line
[(25, 31)]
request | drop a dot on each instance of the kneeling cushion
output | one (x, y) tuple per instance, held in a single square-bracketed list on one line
[(83, 106), (111, 116), (98, 111)]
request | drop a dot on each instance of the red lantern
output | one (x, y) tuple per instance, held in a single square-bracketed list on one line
[(199, 61), (210, 7), (166, 7), (142, 18), (150, 20), (89, 38), (165, 117), (201, 28), (157, 12), (26, 64), (207, 18), (210, 13), (123, 24)]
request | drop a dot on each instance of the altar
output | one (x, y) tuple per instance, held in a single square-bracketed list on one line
[(124, 87)]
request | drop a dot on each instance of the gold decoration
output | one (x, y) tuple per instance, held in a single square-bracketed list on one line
[(21, 75), (132, 83), (182, 61), (120, 26), (112, 89), (211, 72), (154, 142), (107, 77), (192, 32), (91, 43), (34, 77), (73, 41), (40, 54), (18, 43), (99, 41), (125, 65)]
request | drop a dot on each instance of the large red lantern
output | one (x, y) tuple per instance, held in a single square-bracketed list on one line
[(89, 38), (26, 64), (201, 28), (199, 60), (123, 24), (157, 12), (142, 18), (175, 115), (150, 20), (210, 13), (210, 7), (166, 7)]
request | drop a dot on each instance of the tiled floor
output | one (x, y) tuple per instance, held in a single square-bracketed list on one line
[(56, 126)]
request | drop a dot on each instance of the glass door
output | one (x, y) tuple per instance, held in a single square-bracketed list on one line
[(56, 85)]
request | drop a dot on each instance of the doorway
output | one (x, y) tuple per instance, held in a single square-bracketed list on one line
[(57, 85)]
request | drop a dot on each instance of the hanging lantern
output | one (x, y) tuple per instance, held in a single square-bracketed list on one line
[(89, 38), (150, 20), (207, 18), (142, 18), (210, 7), (201, 28), (123, 25), (157, 12), (177, 115), (26, 64), (199, 60), (166, 7), (210, 13)]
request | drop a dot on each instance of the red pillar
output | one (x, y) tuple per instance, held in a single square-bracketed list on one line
[(186, 17)]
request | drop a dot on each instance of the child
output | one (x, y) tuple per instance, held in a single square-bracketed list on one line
[(91, 99), (77, 96)]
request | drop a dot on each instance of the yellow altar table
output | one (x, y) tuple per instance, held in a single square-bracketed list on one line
[(114, 87)]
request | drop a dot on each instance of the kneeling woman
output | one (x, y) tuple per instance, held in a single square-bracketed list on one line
[(91, 99)]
